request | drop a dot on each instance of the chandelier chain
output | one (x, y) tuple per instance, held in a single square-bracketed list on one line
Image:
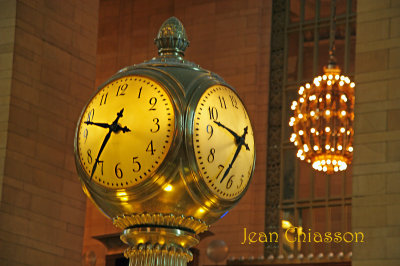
[(332, 48)]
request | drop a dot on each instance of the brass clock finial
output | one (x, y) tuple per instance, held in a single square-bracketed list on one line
[(171, 38)]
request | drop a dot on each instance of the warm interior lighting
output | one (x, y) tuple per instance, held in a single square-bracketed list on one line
[(286, 224), (323, 129), (168, 188), (122, 196)]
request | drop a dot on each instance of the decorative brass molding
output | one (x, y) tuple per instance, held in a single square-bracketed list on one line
[(170, 220), (158, 246), (156, 254)]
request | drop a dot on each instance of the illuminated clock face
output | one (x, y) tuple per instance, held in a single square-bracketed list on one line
[(125, 132), (223, 142)]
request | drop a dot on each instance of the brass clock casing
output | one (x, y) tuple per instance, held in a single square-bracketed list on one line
[(176, 187), (175, 195)]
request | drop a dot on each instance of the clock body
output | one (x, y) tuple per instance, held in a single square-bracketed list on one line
[(165, 143)]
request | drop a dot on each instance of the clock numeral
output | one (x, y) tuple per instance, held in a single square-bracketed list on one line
[(230, 182), (234, 102), (89, 119), (156, 123), (210, 131), (140, 92), (241, 182), (137, 165), (221, 167), (101, 162), (85, 134), (122, 89), (150, 148), (213, 113), (103, 99), (222, 101), (90, 116), (210, 157), (89, 158), (118, 171), (152, 102)]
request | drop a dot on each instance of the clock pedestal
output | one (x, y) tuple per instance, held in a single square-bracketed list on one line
[(159, 246), (159, 239), (164, 149)]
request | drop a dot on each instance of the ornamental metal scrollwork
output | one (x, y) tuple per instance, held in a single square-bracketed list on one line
[(275, 123)]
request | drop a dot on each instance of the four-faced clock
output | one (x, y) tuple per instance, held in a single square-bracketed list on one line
[(125, 132), (223, 142)]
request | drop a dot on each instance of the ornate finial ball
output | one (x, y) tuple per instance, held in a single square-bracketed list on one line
[(171, 38)]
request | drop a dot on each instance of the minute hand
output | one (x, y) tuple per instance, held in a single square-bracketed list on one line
[(100, 151), (111, 128), (238, 149), (233, 160)]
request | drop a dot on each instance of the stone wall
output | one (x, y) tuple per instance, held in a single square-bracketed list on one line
[(52, 48), (7, 33), (376, 170)]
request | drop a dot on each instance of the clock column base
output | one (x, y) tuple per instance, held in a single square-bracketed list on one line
[(151, 245)]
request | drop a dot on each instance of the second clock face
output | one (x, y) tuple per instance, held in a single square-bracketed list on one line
[(223, 142), (125, 132)]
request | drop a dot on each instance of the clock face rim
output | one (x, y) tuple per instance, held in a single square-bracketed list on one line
[(159, 175), (195, 167)]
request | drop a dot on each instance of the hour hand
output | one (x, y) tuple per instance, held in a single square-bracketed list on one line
[(103, 125), (229, 130), (119, 114)]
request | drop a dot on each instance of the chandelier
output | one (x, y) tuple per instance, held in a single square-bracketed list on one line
[(323, 117)]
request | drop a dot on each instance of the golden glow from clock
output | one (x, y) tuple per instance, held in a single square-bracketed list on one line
[(219, 113), (139, 144)]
